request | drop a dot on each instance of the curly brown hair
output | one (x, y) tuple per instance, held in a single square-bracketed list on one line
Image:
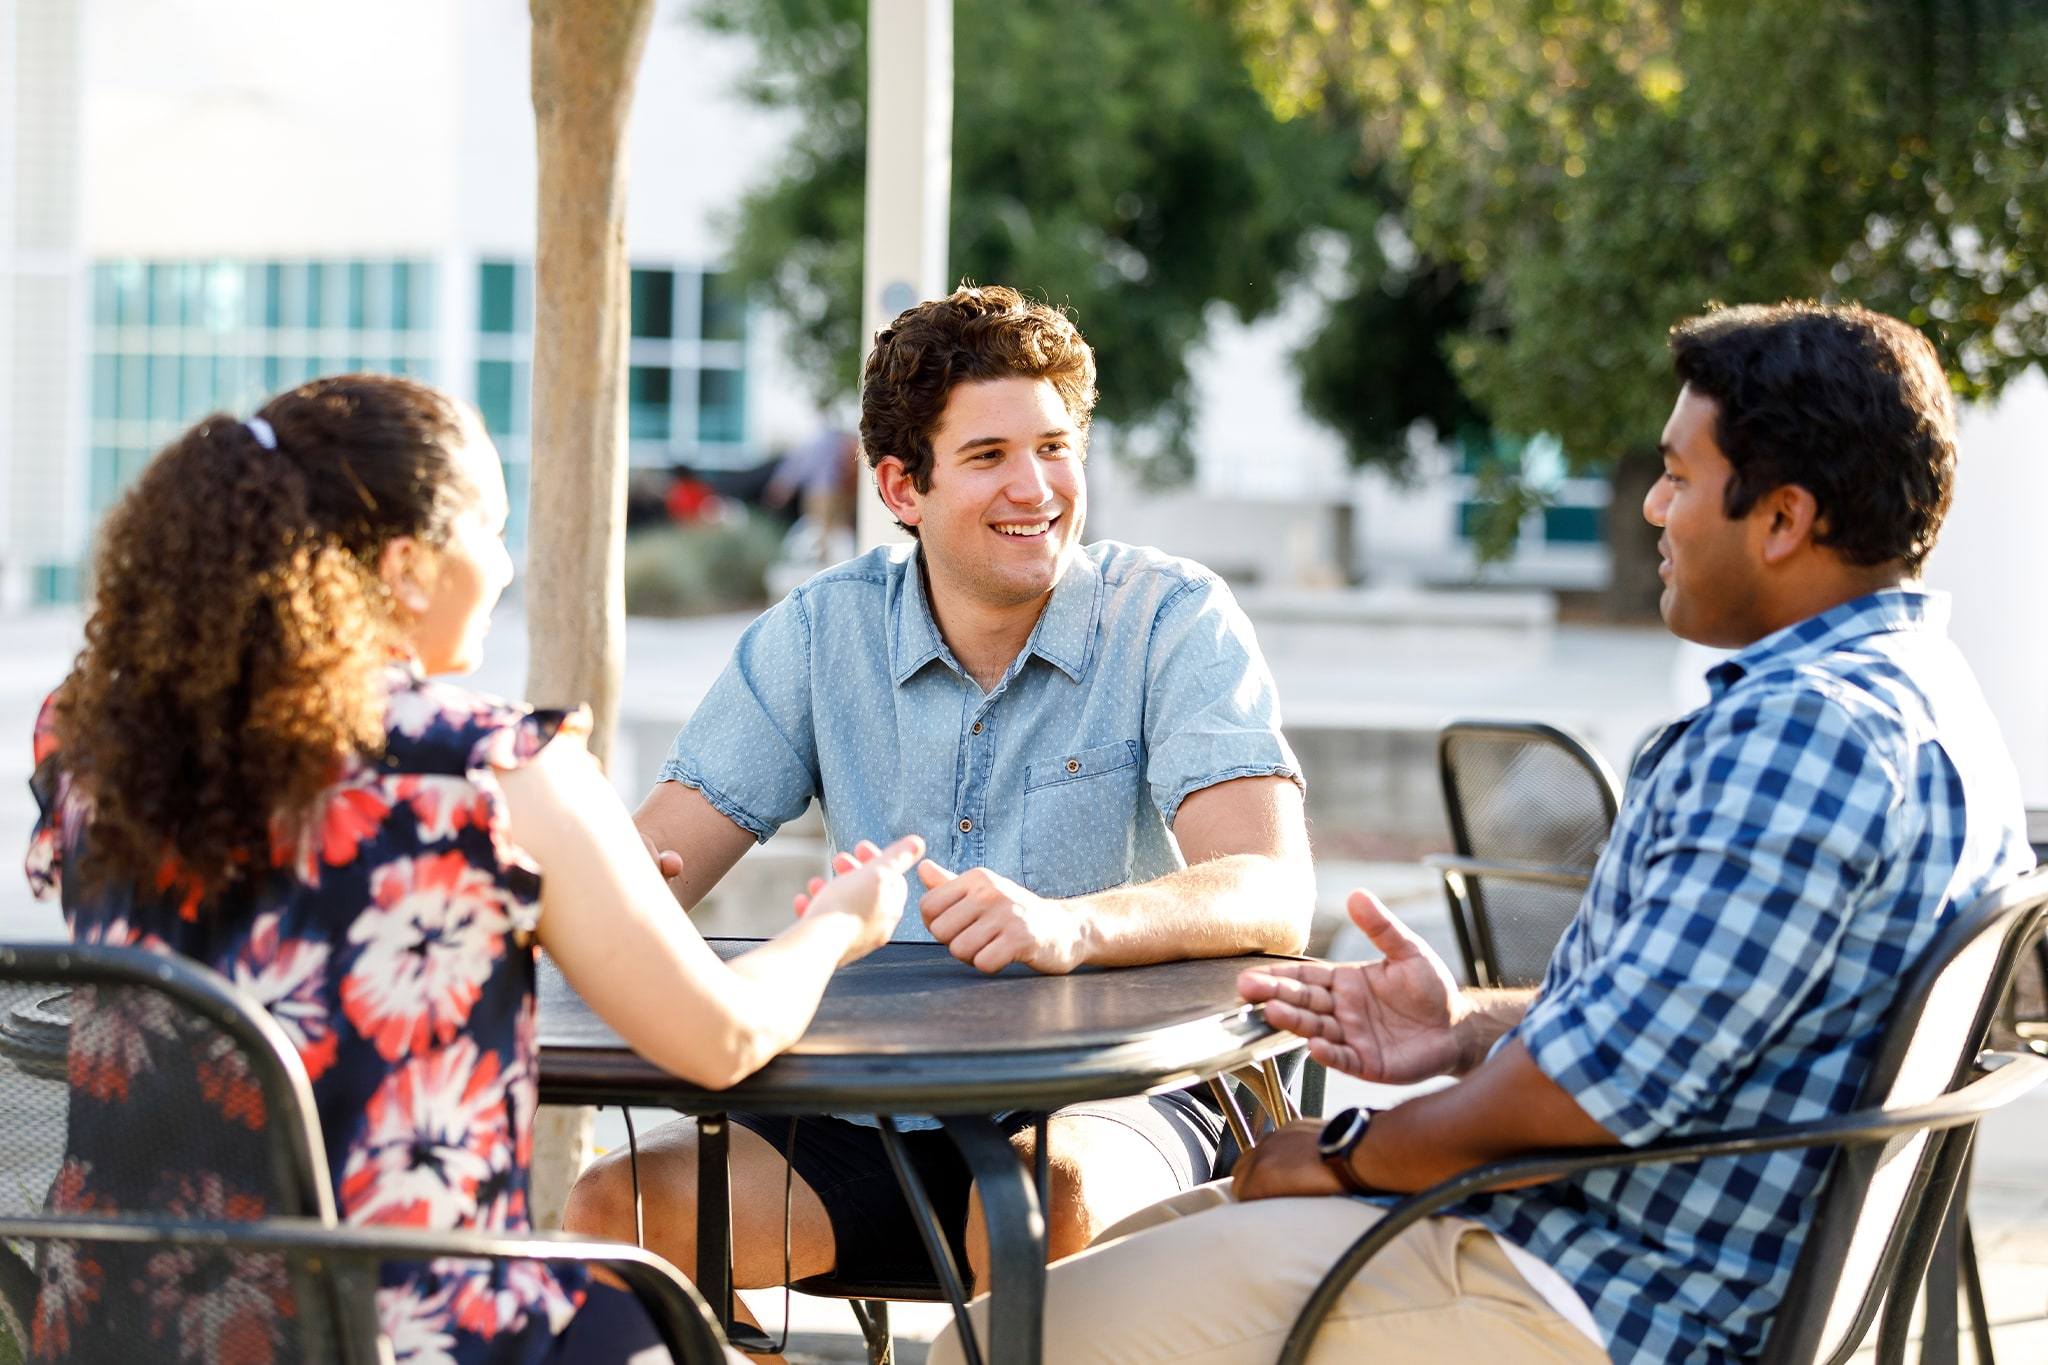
[(977, 332), (239, 629)]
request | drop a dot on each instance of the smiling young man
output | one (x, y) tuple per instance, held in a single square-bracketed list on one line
[(1085, 735), (1782, 856)]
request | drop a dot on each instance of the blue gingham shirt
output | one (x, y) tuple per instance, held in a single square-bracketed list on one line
[(1782, 857), (1140, 684)]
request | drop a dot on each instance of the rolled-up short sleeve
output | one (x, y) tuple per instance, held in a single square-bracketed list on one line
[(750, 747), (1745, 900), (1211, 711)]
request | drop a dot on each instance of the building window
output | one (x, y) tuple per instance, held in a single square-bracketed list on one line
[(686, 366), (174, 340), (1575, 513)]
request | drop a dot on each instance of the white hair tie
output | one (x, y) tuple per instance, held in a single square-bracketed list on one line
[(263, 432)]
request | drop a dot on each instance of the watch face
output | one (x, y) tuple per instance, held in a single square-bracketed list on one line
[(1341, 1133)]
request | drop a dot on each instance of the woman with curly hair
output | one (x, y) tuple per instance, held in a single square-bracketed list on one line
[(252, 765)]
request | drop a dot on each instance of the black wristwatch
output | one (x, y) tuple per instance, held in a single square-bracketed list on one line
[(1344, 1131)]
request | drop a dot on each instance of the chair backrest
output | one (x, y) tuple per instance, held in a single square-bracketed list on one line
[(295, 1290), (1518, 794), (135, 1084), (1880, 1204)]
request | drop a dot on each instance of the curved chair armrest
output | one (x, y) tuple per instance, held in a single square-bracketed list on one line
[(1543, 874), (680, 1314), (2013, 1074)]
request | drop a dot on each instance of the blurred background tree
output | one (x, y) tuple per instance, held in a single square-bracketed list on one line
[(1596, 169), (1116, 159)]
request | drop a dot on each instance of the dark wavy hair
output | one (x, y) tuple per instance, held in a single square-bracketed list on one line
[(234, 652), (1848, 404), (977, 332)]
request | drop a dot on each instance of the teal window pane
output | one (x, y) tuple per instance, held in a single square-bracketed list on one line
[(133, 393), (131, 303), (273, 374), (106, 386), (191, 294), (106, 293), (221, 297), (195, 387), (273, 295), (376, 294), (163, 388), (56, 584), (228, 389), (721, 406), (105, 481), (163, 295), (654, 303), (725, 309), (316, 295), (291, 291), (357, 287), (494, 395), (404, 365), (412, 296), (1574, 525), (256, 296), (647, 400), (354, 365), (494, 297)]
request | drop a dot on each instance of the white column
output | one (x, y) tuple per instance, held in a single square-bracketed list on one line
[(1993, 556), (910, 171)]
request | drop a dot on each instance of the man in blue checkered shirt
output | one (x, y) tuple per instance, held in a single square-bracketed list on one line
[(1782, 856)]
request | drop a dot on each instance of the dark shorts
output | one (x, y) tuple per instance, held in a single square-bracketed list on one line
[(871, 1221)]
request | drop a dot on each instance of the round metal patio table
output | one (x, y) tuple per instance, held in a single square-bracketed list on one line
[(909, 1030)]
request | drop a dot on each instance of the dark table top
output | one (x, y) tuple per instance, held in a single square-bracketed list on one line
[(908, 1029)]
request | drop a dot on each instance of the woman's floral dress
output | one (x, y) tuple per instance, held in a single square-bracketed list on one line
[(391, 938)]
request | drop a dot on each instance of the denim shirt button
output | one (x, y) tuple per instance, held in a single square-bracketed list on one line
[(967, 827)]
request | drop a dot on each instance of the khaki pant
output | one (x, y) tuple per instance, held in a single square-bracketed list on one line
[(1201, 1278)]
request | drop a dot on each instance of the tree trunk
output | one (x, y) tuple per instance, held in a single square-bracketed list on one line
[(586, 54), (1632, 542)]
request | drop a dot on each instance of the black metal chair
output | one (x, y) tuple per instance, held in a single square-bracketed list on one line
[(1530, 807), (307, 1291), (66, 1012), (1881, 1209)]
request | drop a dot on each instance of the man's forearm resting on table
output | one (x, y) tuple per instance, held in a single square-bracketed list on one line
[(1236, 903), (1507, 1105)]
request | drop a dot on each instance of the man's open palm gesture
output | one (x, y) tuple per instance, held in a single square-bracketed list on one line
[(1393, 1021)]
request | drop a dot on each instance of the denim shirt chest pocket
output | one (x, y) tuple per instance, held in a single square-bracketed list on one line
[(1079, 819)]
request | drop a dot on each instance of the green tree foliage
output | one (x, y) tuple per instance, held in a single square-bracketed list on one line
[(1599, 168), (1113, 158)]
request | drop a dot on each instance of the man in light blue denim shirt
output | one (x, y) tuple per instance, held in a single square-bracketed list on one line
[(1086, 737)]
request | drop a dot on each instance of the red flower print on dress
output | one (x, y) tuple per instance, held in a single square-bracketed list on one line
[(429, 943), (68, 1288), (349, 814), (500, 1298), (420, 1326), (432, 1134), (445, 804), (287, 975), (217, 1308), (111, 1029)]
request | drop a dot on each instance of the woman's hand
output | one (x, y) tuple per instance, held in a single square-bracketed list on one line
[(869, 885)]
